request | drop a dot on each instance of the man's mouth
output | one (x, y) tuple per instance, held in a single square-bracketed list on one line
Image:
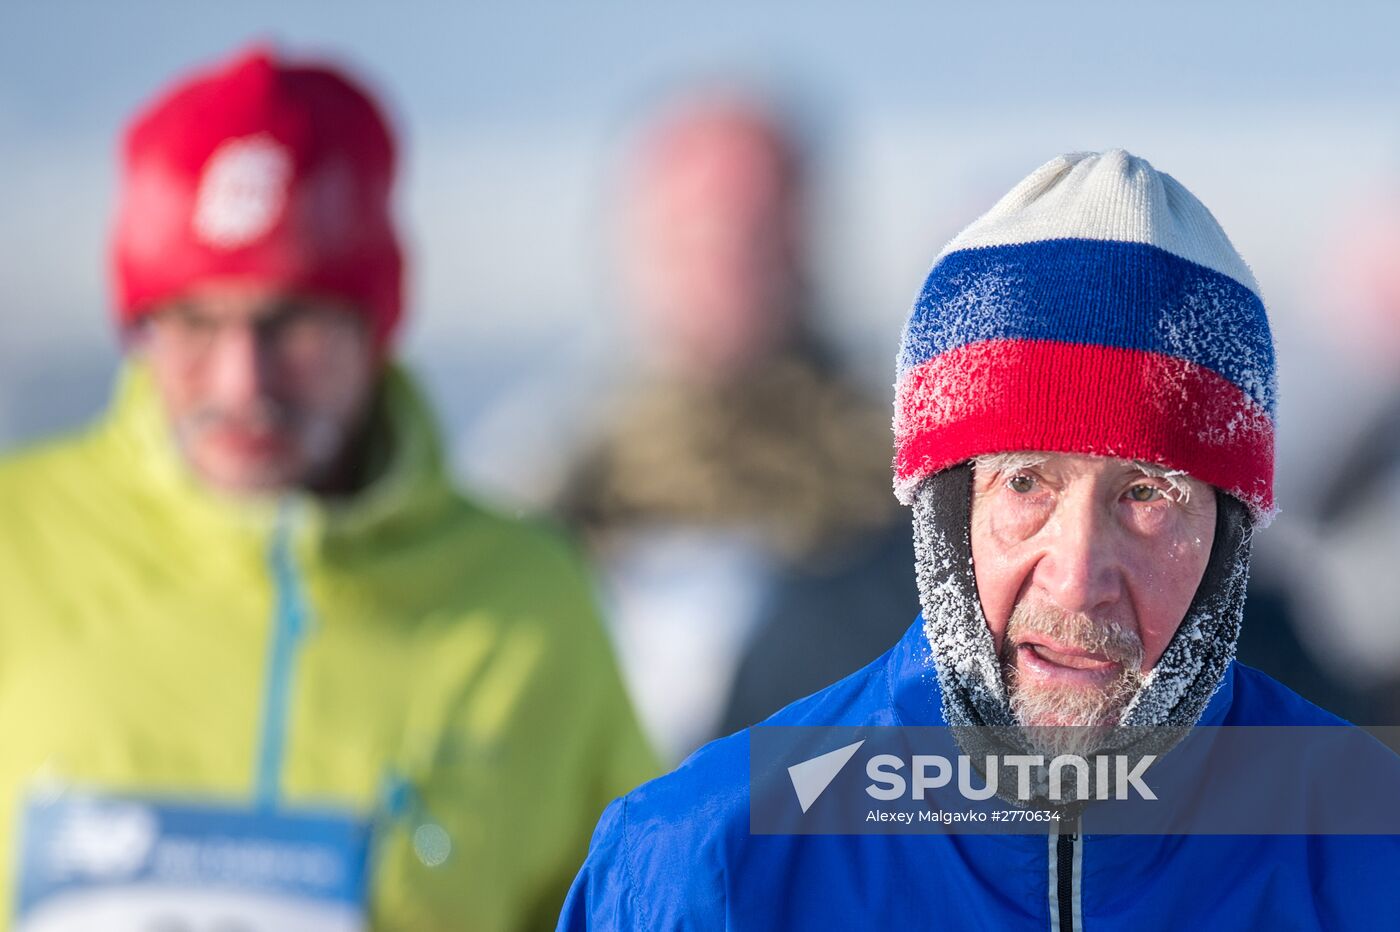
[(254, 443), (1065, 663)]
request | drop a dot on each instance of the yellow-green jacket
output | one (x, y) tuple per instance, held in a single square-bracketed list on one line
[(407, 654)]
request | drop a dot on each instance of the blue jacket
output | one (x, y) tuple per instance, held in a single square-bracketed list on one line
[(676, 853)]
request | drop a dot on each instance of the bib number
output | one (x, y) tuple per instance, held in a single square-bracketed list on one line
[(133, 864)]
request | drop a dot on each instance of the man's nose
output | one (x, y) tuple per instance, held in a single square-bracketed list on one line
[(239, 366), (1080, 569)]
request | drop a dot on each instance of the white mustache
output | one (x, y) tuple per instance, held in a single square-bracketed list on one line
[(1073, 629)]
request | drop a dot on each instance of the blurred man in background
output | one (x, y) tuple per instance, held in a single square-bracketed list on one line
[(1329, 585), (1358, 513), (737, 494), (260, 660)]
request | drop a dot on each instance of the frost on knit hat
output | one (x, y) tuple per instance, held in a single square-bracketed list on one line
[(265, 171), (1098, 308)]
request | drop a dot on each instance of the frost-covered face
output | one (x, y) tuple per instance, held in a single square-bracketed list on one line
[(1085, 568)]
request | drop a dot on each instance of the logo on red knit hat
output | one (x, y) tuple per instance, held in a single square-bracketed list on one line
[(243, 191)]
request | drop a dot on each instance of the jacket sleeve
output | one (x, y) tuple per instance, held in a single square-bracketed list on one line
[(608, 754), (602, 896), (662, 857), (623, 759)]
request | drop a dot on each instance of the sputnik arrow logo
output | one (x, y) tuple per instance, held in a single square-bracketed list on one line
[(811, 777)]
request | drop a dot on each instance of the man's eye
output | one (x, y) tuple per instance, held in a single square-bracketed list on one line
[(1022, 484), (1144, 493)]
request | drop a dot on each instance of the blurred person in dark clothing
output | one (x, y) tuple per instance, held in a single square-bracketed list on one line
[(1359, 529), (740, 473), (1358, 514), (1326, 601), (263, 666)]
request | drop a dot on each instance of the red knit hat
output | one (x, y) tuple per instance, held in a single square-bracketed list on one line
[(265, 171)]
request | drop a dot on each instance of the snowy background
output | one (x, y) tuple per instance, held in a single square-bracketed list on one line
[(1281, 117)]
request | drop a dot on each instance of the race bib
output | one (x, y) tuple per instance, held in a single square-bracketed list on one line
[(132, 864)]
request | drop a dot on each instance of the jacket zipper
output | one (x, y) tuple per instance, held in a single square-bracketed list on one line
[(290, 624), (1066, 858)]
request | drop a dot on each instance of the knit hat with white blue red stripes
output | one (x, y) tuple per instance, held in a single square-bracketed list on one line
[(1098, 308)]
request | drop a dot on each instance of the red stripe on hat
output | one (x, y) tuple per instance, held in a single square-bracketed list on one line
[(1004, 395)]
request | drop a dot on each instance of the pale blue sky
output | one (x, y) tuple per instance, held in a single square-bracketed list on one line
[(1274, 113)]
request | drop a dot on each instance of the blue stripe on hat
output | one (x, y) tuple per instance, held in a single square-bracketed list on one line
[(1098, 292)]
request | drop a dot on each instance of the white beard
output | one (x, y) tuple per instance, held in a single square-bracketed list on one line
[(1078, 706)]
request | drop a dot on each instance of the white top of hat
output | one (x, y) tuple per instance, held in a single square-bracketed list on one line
[(1112, 195)]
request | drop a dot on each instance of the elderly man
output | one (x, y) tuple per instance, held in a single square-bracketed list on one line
[(263, 667), (1084, 423)]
